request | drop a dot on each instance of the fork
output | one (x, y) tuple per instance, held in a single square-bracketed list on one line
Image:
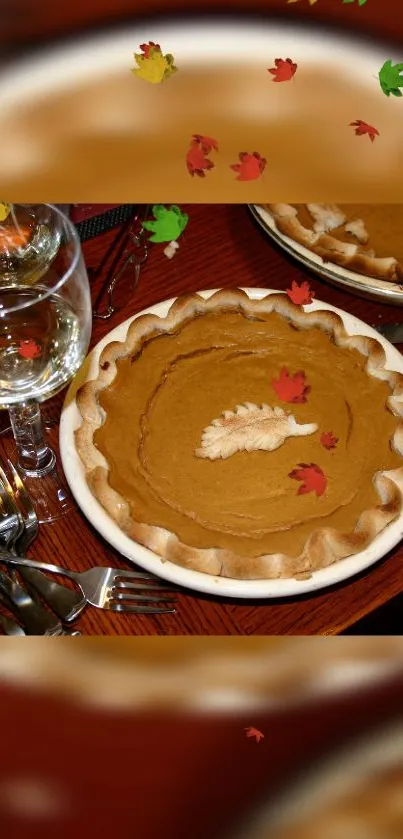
[(105, 588), (22, 530)]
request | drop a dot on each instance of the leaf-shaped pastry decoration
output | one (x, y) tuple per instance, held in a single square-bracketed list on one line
[(250, 428)]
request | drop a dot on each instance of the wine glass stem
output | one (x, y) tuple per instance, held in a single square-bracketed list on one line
[(35, 458)]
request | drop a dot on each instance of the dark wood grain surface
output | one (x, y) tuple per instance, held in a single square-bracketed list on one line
[(222, 247), (175, 776), (28, 23)]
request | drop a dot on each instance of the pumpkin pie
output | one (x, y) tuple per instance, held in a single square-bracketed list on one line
[(245, 438), (365, 238), (369, 805)]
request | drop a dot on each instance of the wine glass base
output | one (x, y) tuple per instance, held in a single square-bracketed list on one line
[(49, 494)]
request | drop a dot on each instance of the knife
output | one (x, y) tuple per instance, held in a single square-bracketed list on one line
[(393, 332), (36, 620)]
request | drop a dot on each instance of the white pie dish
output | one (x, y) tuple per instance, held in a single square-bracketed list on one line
[(222, 586)]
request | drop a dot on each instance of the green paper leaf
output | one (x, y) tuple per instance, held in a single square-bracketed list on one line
[(391, 78), (168, 223)]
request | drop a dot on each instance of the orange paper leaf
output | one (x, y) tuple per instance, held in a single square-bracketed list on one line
[(363, 128), (302, 294), (284, 70), (291, 388), (250, 167), (312, 477), (328, 440)]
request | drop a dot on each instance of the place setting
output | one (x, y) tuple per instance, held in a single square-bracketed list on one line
[(229, 447)]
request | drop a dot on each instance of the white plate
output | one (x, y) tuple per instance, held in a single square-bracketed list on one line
[(200, 42), (71, 419), (335, 274)]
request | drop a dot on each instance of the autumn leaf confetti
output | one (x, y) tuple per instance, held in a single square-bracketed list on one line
[(363, 128), (254, 732), (198, 161), (301, 295), (168, 224), (328, 440), (29, 349), (284, 70), (5, 210), (292, 389), (152, 65), (391, 78), (312, 478), (250, 166)]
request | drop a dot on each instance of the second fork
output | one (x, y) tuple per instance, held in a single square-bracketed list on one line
[(22, 530)]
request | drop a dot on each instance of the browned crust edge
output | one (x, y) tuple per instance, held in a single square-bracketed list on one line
[(324, 546), (333, 250)]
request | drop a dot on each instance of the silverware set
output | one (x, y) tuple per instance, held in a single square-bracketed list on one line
[(40, 605)]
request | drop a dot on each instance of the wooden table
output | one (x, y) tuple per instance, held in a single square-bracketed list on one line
[(176, 776), (29, 25), (222, 246)]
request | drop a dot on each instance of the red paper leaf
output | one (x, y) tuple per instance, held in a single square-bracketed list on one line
[(291, 388), (207, 143), (284, 70), (254, 732), (328, 440), (312, 477), (148, 48), (251, 166), (29, 349), (197, 161), (363, 128), (302, 294)]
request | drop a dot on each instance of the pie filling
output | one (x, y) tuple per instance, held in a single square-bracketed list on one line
[(382, 222), (258, 501), (374, 810)]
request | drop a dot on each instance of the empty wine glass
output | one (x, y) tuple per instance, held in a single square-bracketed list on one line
[(45, 329)]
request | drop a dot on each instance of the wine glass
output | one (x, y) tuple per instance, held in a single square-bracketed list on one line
[(45, 329)]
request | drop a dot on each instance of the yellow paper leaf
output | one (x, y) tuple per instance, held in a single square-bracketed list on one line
[(4, 211), (156, 68)]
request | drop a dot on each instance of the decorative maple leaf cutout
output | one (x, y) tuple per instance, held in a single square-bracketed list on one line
[(207, 143), (254, 732), (363, 128), (302, 294), (29, 349), (149, 48), (284, 70), (168, 224), (391, 78), (251, 166), (152, 65), (291, 388), (5, 210), (312, 477), (197, 161), (328, 440)]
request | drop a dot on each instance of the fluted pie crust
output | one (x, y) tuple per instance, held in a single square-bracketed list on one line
[(324, 545), (349, 251)]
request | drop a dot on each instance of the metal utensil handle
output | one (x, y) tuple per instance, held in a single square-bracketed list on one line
[(10, 627), (64, 602), (35, 619)]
